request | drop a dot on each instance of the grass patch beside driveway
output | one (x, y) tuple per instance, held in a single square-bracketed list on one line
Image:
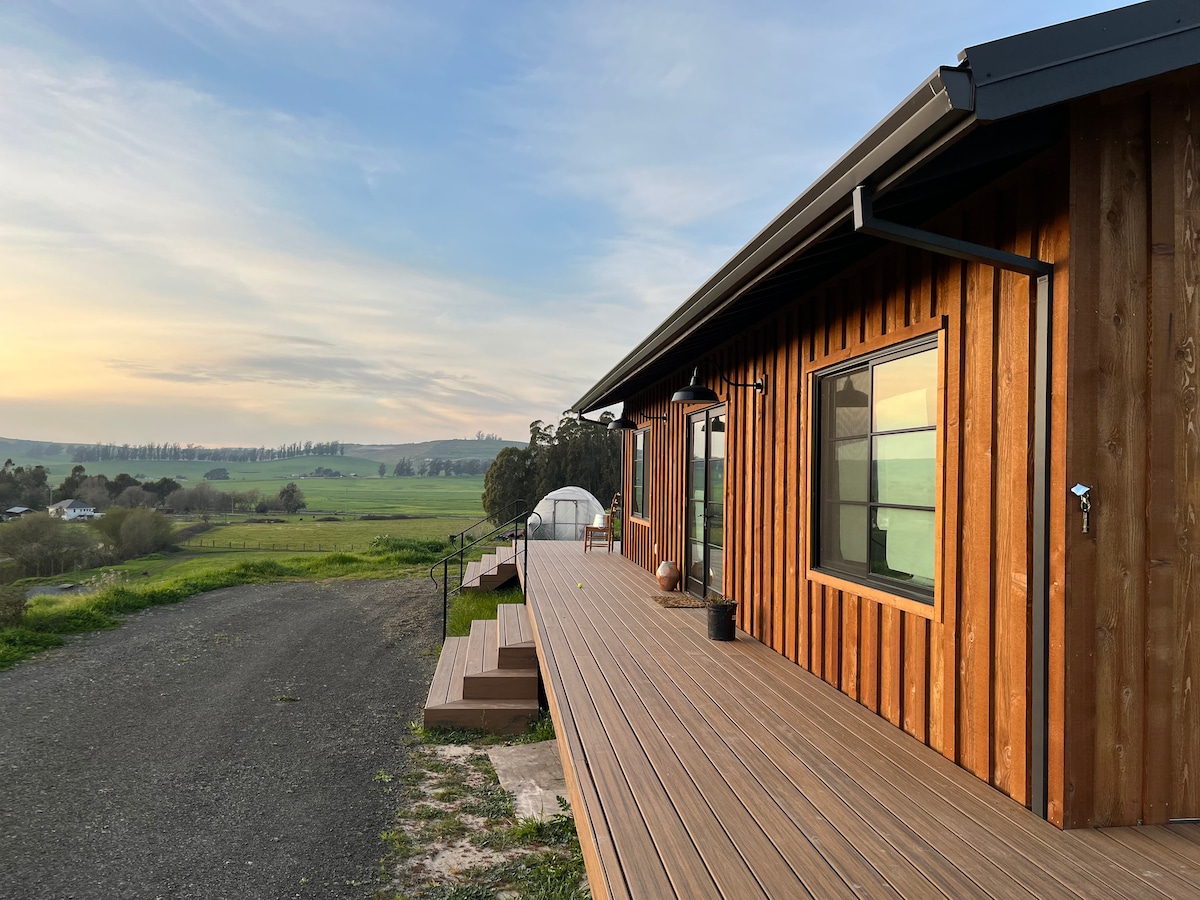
[(457, 837)]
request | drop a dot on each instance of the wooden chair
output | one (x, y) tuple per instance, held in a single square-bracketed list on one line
[(599, 533)]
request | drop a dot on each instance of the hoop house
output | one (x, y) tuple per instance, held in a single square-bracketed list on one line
[(564, 514)]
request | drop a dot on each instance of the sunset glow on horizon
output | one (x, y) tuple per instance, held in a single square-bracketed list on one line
[(230, 223)]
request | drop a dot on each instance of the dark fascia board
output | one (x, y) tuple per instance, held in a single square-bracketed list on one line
[(1085, 56), (995, 80), (926, 116)]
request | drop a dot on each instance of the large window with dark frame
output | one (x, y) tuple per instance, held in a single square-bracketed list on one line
[(876, 496), (638, 506)]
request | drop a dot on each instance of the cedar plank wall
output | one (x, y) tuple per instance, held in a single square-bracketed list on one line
[(1132, 751), (959, 684)]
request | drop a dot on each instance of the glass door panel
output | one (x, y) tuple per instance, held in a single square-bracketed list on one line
[(706, 501)]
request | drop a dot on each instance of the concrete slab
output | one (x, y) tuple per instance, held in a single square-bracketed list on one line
[(534, 774)]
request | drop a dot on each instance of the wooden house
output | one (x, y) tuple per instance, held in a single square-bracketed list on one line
[(867, 426)]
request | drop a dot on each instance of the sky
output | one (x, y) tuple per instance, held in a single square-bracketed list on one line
[(246, 222)]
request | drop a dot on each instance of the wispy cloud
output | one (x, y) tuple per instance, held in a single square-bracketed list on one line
[(393, 220)]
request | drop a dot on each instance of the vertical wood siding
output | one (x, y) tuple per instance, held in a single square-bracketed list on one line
[(959, 683), (1130, 709), (1117, 208)]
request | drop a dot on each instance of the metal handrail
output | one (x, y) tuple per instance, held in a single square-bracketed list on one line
[(455, 539), (461, 552)]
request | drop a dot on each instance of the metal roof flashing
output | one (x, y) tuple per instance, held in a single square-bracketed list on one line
[(1084, 56), (993, 81)]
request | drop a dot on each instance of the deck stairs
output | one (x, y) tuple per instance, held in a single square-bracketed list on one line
[(488, 680), (492, 571)]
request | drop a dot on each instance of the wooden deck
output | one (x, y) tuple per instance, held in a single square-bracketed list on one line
[(701, 769)]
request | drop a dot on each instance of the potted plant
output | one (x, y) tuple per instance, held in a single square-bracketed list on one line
[(721, 610)]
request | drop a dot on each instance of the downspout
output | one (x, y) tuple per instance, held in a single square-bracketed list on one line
[(866, 223)]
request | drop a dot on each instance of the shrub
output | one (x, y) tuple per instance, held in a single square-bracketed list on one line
[(12, 605), (41, 545), (409, 551), (134, 532)]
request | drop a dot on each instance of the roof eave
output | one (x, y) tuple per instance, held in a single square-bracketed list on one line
[(928, 115)]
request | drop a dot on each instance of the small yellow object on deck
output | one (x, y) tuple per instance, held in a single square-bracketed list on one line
[(581, 584)]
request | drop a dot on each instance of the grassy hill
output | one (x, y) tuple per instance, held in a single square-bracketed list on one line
[(361, 459), (453, 449)]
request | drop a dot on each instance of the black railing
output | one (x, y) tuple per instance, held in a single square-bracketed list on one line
[(509, 514), (507, 529)]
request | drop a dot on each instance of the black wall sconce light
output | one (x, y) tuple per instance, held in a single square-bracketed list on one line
[(695, 392), (624, 423), (582, 418)]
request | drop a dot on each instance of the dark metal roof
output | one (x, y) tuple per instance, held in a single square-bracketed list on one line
[(929, 150)]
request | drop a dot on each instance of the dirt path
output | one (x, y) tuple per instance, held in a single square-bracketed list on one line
[(226, 747)]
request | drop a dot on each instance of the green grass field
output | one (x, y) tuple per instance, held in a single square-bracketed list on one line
[(306, 533), (460, 495)]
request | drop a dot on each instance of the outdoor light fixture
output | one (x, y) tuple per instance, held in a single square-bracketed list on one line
[(695, 392), (627, 424), (622, 424)]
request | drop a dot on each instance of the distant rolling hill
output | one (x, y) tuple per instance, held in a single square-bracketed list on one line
[(452, 449), (363, 459)]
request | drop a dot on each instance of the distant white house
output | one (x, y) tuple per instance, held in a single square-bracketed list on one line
[(72, 509)]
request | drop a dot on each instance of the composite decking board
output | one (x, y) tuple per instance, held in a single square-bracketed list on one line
[(1101, 877), (804, 828), (1173, 879), (982, 875), (821, 885), (1173, 840), (610, 731), (619, 802), (836, 869), (443, 677), (481, 647), (656, 658), (622, 848), (700, 789), (605, 877)]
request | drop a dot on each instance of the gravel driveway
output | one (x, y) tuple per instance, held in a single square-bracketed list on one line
[(225, 747)]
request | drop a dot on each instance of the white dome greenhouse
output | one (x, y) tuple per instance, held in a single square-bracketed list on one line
[(564, 514)]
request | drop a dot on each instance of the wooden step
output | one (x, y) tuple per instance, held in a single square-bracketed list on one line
[(490, 572), (446, 686), (482, 647), (465, 694), (515, 645), (496, 716), (483, 678)]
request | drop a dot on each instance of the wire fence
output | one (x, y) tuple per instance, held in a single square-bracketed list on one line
[(308, 547)]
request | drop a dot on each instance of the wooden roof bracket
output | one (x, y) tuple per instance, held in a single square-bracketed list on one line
[(866, 223)]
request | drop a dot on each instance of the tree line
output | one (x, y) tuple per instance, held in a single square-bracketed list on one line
[(23, 486), (178, 452), (575, 453), (409, 466)]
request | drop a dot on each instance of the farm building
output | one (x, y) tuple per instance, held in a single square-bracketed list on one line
[(935, 427), (72, 510)]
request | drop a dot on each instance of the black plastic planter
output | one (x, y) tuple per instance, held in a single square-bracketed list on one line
[(720, 621)]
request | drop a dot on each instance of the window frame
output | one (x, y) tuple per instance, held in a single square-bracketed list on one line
[(908, 341), (638, 510)]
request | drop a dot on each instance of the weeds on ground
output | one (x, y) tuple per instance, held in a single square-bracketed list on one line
[(458, 838)]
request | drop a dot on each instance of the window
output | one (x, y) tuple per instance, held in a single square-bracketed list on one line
[(877, 481), (638, 507)]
